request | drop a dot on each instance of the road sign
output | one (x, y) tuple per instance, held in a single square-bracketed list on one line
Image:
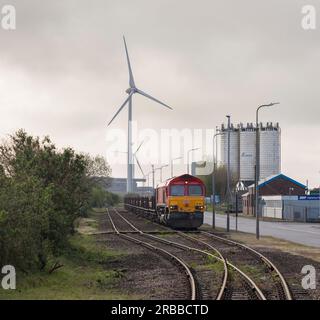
[(309, 197)]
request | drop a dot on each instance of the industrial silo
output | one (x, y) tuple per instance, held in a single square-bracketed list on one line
[(234, 149), (247, 152), (270, 150)]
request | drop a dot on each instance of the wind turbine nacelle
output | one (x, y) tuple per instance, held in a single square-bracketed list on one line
[(130, 90)]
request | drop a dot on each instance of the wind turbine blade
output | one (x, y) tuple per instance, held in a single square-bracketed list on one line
[(123, 105), (140, 145), (138, 163), (131, 80), (152, 98)]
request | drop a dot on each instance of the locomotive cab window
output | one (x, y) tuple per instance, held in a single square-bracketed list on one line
[(177, 190), (195, 190)]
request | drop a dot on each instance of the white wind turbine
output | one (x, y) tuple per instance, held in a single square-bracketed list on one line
[(131, 91), (139, 165), (136, 158)]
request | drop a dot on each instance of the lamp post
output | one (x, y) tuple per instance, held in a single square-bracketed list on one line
[(213, 182), (228, 177), (191, 150), (155, 172), (172, 164), (148, 175), (257, 175), (152, 166), (160, 169)]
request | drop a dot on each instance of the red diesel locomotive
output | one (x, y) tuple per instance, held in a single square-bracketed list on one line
[(180, 202)]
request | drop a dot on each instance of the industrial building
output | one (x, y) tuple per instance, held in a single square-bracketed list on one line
[(119, 186), (243, 150), (273, 191), (303, 208)]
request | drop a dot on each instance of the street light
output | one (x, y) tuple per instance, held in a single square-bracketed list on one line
[(152, 166), (228, 176), (213, 182), (160, 169), (191, 150), (148, 175), (257, 178), (172, 164), (164, 166)]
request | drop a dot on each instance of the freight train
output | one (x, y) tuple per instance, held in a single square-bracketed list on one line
[(178, 202)]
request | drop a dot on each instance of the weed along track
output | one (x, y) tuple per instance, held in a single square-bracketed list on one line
[(241, 258), (215, 277), (222, 268), (260, 267), (190, 285)]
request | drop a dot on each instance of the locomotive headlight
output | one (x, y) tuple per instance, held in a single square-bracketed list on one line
[(199, 207), (174, 207)]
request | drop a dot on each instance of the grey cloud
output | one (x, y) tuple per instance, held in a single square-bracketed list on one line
[(205, 58)]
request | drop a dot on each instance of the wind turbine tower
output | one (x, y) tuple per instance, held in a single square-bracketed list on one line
[(131, 91)]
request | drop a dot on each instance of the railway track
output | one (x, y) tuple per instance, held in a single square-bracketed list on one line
[(280, 288), (235, 284), (192, 288), (275, 276)]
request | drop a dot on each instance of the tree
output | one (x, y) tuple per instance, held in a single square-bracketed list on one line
[(42, 191), (101, 198), (98, 170), (220, 177), (315, 191), (25, 208)]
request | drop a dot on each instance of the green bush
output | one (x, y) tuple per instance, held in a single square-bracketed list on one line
[(101, 198), (42, 191)]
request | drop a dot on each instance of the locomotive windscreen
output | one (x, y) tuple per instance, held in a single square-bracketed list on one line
[(177, 190), (195, 190)]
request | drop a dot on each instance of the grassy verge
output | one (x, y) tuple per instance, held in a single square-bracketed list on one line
[(85, 275)]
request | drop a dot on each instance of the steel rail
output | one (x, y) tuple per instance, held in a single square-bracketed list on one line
[(252, 284), (267, 261), (181, 263), (225, 264), (269, 264)]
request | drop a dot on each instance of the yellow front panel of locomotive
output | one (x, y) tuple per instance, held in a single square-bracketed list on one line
[(186, 203)]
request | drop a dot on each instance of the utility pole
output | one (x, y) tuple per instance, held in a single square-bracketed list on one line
[(213, 181), (237, 209), (257, 175), (172, 164), (191, 150), (160, 169), (148, 175), (152, 166), (228, 177)]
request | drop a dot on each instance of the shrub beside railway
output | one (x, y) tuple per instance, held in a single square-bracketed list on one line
[(42, 191)]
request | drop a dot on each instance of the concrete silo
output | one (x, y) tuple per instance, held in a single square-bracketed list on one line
[(247, 156), (270, 150), (243, 150), (234, 149)]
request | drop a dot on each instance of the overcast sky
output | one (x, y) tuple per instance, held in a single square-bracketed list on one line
[(63, 70)]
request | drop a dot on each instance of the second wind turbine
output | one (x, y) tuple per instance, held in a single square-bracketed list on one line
[(131, 91)]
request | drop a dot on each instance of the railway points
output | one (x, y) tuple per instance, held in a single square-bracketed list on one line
[(238, 286)]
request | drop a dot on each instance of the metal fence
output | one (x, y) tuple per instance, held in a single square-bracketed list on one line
[(301, 211)]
